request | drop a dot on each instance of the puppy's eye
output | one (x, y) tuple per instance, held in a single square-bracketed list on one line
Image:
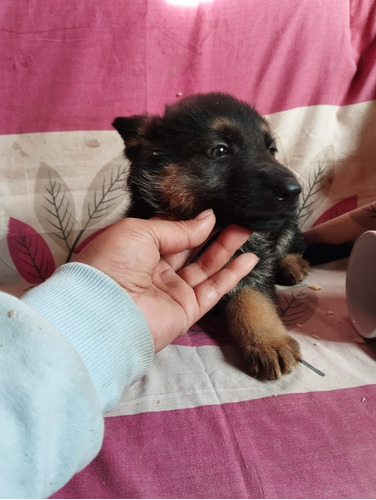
[(219, 151), (273, 149)]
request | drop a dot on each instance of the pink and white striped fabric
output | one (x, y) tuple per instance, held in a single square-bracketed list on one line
[(196, 426)]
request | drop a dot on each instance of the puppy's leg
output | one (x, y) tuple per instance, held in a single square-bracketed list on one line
[(268, 350), (292, 269)]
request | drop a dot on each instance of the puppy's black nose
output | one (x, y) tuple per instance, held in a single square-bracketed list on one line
[(288, 190)]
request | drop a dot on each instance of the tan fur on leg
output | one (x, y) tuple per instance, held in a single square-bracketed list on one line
[(268, 350)]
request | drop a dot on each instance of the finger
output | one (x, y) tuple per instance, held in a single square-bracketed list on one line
[(209, 292), (179, 260), (216, 256), (172, 237)]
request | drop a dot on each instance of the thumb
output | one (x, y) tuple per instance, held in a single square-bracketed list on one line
[(176, 236)]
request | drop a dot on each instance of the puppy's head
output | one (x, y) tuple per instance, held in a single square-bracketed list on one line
[(208, 150)]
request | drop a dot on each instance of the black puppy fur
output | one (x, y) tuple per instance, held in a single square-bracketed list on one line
[(214, 151)]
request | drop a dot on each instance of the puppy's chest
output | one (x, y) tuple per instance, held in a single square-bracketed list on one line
[(270, 248), (262, 276)]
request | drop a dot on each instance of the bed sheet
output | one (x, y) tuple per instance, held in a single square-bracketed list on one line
[(196, 426)]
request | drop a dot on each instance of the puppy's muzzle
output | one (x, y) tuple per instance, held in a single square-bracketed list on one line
[(280, 183), (287, 191)]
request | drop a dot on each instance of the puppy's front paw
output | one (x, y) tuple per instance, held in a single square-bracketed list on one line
[(272, 358), (267, 349), (292, 269)]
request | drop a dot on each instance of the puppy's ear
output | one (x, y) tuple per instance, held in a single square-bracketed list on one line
[(131, 126), (139, 133)]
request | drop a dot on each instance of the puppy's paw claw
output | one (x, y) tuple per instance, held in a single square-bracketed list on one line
[(270, 360), (292, 269)]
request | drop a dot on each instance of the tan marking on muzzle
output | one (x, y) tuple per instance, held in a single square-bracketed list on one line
[(177, 189)]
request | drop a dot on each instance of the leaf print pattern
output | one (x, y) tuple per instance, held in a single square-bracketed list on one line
[(104, 191), (296, 305), (55, 209), (30, 253), (311, 195), (57, 213), (103, 196)]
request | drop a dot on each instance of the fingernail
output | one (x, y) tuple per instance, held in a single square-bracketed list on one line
[(204, 214)]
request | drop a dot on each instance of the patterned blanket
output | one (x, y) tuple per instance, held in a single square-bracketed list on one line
[(196, 426)]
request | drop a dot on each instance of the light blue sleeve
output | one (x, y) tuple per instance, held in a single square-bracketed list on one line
[(68, 350)]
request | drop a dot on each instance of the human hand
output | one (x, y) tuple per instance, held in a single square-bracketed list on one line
[(147, 258)]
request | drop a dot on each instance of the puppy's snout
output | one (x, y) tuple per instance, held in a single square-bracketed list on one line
[(288, 190), (281, 183)]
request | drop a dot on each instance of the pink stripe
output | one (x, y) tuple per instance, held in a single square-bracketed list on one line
[(316, 445), (75, 66), (210, 331)]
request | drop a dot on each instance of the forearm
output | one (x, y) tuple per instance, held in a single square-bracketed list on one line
[(55, 346), (102, 322)]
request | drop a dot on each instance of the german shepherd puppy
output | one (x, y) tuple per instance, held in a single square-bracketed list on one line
[(214, 151)]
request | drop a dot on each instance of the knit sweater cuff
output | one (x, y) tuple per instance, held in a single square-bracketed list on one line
[(102, 322)]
